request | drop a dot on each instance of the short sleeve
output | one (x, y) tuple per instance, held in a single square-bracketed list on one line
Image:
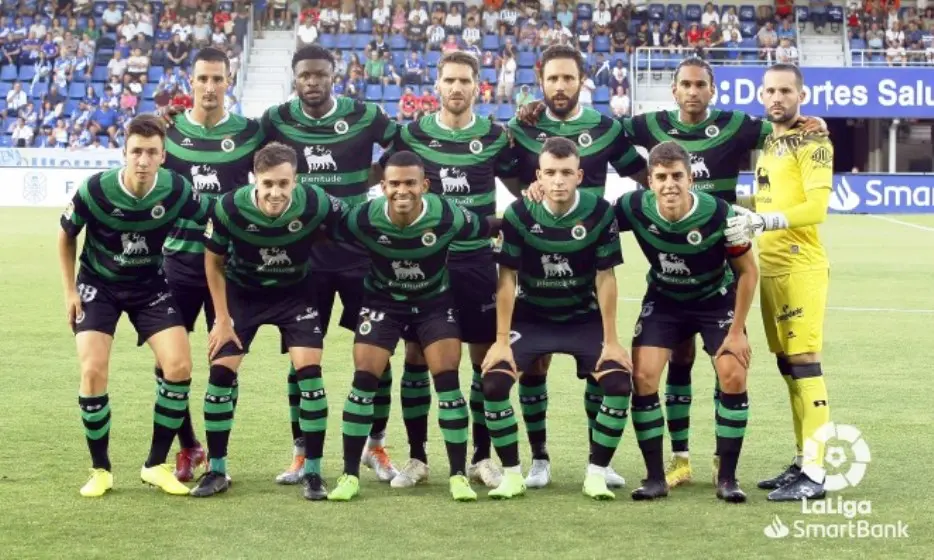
[(609, 252), (470, 227), (509, 250), (342, 230), (622, 210), (395, 145), (76, 214), (216, 233), (384, 129), (625, 159), (753, 131), (336, 208), (196, 208), (815, 160)]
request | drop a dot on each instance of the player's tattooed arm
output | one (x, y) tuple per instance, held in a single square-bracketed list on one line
[(501, 350), (67, 254), (747, 277)]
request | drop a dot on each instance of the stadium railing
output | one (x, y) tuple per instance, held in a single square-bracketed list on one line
[(871, 57), (245, 56)]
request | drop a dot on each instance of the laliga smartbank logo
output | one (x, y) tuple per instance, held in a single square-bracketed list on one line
[(846, 458)]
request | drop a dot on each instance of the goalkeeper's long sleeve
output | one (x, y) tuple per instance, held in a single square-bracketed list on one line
[(811, 212)]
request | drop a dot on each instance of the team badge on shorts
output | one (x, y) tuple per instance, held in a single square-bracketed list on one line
[(585, 140), (712, 131), (429, 239), (647, 309), (341, 127), (158, 211), (638, 330), (694, 237), (209, 228), (365, 328), (228, 145), (578, 232), (295, 225), (475, 146), (79, 318)]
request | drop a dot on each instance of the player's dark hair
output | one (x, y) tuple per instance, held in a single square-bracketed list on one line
[(405, 159), (667, 154), (695, 62), (272, 155), (211, 54), (782, 67), (147, 126), (460, 57), (560, 148), (558, 52), (313, 52)]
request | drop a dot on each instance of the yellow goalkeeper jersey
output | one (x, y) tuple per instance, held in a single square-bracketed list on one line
[(792, 164)]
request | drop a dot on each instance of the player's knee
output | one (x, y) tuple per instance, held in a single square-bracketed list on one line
[(644, 381), (616, 383), (804, 371), (413, 354), (497, 383), (222, 376), (177, 369), (307, 372), (94, 374), (731, 374)]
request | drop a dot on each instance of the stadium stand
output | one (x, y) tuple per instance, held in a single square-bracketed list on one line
[(72, 79)]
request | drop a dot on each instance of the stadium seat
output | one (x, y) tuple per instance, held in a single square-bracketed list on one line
[(604, 109), (657, 12), (835, 14), (98, 89), (70, 106), (432, 58), (26, 73), (485, 109), (461, 7), (392, 110), (584, 11), (76, 90), (226, 6), (802, 13), (327, 40), (433, 73), (525, 76), (392, 93), (624, 56), (155, 74), (527, 59), (40, 89), (398, 42), (488, 74), (344, 42), (601, 95), (748, 29), (435, 6), (747, 13), (601, 44), (365, 25), (674, 13), (100, 8), (693, 12), (6, 141), (374, 92), (8, 73), (490, 43), (361, 41), (398, 59), (147, 106), (505, 112), (99, 74), (857, 44), (5, 88), (149, 90), (3, 105)]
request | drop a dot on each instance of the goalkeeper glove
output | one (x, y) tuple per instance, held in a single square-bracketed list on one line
[(748, 224)]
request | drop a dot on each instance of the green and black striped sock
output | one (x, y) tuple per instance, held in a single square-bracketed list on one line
[(453, 419), (533, 400), (382, 403), (678, 397), (294, 401), (416, 402), (649, 425), (313, 415), (481, 435), (358, 418), (95, 415), (168, 415), (732, 417), (219, 415), (500, 417)]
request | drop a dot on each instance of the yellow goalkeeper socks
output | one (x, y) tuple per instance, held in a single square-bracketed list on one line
[(815, 412), (795, 399)]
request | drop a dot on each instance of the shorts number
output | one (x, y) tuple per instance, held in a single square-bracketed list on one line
[(375, 316), (87, 293), (514, 336)]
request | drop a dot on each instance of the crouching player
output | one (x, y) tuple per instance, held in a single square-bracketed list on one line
[(128, 213), (691, 290), (407, 233), (258, 243), (560, 253)]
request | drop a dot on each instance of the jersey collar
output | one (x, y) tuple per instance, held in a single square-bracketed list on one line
[(128, 192), (255, 200), (420, 216), (686, 216), (192, 120), (577, 200), (682, 123), (330, 112), (578, 113), (442, 126)]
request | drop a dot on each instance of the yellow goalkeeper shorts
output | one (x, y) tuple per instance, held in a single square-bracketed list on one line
[(793, 309)]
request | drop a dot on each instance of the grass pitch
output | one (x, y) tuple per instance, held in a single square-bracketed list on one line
[(878, 356)]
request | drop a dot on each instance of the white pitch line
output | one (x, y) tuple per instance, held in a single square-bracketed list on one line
[(843, 308), (902, 223)]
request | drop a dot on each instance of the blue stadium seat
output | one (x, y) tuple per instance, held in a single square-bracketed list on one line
[(835, 14), (604, 109), (601, 95), (392, 93), (26, 73), (8, 73), (99, 74), (6, 141), (374, 92), (5, 88), (693, 12), (327, 40), (433, 73), (488, 74), (40, 89), (748, 44), (76, 90), (398, 58), (98, 89), (99, 8), (27, 20), (149, 91), (461, 7), (490, 43), (857, 44), (748, 29), (505, 112), (802, 13), (155, 74), (70, 106), (527, 59), (485, 109), (364, 25), (584, 11), (624, 56), (147, 106), (674, 13), (432, 58), (747, 13), (344, 42), (398, 42), (392, 110), (601, 44), (3, 104), (361, 41), (525, 76), (435, 6), (225, 6), (656, 12)]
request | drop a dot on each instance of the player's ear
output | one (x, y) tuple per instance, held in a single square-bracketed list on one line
[(425, 185), (580, 176)]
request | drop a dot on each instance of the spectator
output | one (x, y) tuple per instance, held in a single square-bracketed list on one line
[(674, 37), (177, 53), (895, 54), (146, 21), (619, 38), (786, 53), (374, 69), (355, 65), (330, 20), (347, 17), (602, 19), (137, 65), (453, 22), (111, 18), (428, 103), (528, 36), (418, 15), (710, 16), (22, 134), (38, 30), (307, 32), (128, 102), (115, 84), (564, 17), (490, 21), (140, 42), (414, 69), (436, 36), (117, 66), (764, 14), (471, 34), (818, 14), (389, 71), (584, 38), (380, 18), (408, 105), (585, 97), (356, 86), (620, 103), (508, 17), (875, 39), (506, 81), (182, 29), (12, 49), (524, 96), (656, 38), (416, 34), (601, 70), (127, 29), (767, 40), (787, 30), (378, 44), (30, 115), (895, 36), (618, 76), (281, 16), (200, 32), (486, 92), (450, 44), (179, 97)]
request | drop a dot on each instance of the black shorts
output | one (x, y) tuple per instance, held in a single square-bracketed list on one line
[(383, 326), (326, 285), (188, 285), (149, 305), (291, 309), (665, 323), (532, 340), (473, 286)]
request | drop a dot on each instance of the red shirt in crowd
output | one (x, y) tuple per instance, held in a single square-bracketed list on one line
[(408, 104), (693, 35), (182, 99), (428, 102)]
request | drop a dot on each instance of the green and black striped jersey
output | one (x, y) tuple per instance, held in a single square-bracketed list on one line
[(688, 258), (216, 160), (461, 165), (408, 266), (557, 258), (264, 252), (599, 139), (125, 234), (335, 152), (717, 145)]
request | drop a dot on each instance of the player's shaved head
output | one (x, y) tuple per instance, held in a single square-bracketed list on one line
[(272, 155)]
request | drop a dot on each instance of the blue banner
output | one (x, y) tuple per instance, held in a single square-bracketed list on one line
[(53, 158), (882, 93), (867, 193)]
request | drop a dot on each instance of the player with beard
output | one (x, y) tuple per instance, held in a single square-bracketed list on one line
[(718, 142), (334, 138), (462, 154), (601, 142), (214, 150)]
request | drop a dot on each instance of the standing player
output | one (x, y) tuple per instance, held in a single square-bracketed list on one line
[(560, 253), (407, 233), (794, 176), (214, 150), (462, 155), (264, 233), (691, 290), (334, 138), (601, 142), (128, 213)]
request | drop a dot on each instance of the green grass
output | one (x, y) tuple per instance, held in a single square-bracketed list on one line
[(878, 366)]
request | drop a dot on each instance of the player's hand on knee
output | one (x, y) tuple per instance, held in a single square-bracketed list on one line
[(535, 192), (221, 333), (529, 113), (498, 353), (737, 345), (614, 352), (73, 311)]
